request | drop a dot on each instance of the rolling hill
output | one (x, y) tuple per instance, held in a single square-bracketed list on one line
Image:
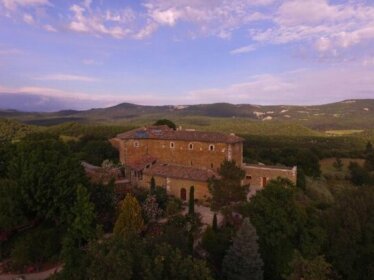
[(348, 114)]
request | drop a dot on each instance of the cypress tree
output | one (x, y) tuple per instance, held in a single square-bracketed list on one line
[(215, 224), (191, 204), (153, 185), (243, 260)]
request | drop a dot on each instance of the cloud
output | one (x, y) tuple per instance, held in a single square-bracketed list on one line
[(246, 49), (49, 28), (84, 21), (306, 86), (14, 4), (67, 77), (328, 26), (29, 19)]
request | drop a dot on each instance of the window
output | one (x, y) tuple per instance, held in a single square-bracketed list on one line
[(191, 163), (190, 146), (136, 144), (211, 147), (172, 145), (248, 177), (264, 181), (211, 165)]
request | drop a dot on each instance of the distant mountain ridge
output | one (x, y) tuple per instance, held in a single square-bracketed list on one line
[(347, 114)]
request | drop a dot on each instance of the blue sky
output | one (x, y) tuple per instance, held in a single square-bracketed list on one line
[(99, 53)]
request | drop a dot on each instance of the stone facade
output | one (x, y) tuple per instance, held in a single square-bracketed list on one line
[(184, 158), (257, 176)]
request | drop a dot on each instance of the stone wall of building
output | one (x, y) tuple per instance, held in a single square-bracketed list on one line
[(257, 176), (174, 187), (196, 154)]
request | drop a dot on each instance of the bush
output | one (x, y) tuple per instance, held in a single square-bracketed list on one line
[(173, 206), (35, 247)]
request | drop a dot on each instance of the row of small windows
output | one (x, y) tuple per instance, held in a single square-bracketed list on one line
[(172, 145)]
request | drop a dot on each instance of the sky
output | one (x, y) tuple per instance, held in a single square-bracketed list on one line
[(59, 54)]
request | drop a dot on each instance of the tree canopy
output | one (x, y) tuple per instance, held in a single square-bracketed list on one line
[(130, 220), (228, 188), (167, 122), (243, 260)]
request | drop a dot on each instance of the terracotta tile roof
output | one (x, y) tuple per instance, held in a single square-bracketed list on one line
[(141, 163), (165, 133), (180, 172), (261, 166)]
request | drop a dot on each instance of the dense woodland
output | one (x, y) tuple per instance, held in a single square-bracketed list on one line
[(322, 228)]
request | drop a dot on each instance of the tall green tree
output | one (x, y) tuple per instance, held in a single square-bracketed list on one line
[(153, 185), (278, 221), (130, 220), (11, 206), (350, 228), (47, 173), (82, 227), (228, 188), (243, 260), (215, 223), (315, 269), (81, 230)]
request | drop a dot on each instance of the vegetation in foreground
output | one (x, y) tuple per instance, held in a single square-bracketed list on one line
[(320, 229)]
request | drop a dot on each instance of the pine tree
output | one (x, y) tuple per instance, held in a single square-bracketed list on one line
[(130, 219), (191, 203), (84, 216), (243, 260)]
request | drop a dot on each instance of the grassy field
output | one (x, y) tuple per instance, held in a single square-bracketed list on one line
[(343, 132), (327, 166)]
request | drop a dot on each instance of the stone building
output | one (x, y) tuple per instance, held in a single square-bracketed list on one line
[(179, 159)]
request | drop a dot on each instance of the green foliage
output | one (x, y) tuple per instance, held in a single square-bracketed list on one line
[(216, 242), (359, 175), (103, 197), (215, 223), (227, 189), (173, 206), (134, 258), (82, 227), (35, 247), (243, 260), (191, 202), (6, 151), (278, 221), (81, 230), (350, 228), (12, 130), (96, 151), (314, 269), (11, 212), (47, 174), (161, 196), (169, 123), (300, 180), (130, 220), (369, 162)]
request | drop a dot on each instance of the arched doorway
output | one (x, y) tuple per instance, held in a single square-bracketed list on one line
[(183, 194)]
